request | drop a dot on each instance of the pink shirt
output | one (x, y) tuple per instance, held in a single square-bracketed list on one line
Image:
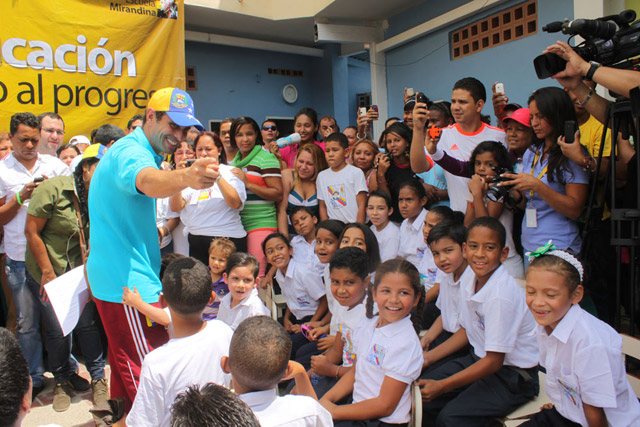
[(289, 153)]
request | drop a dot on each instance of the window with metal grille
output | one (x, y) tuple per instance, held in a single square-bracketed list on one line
[(511, 24), (191, 78)]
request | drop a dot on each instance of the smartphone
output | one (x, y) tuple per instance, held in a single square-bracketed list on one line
[(38, 179), (569, 131), (410, 91), (500, 88), (363, 111), (421, 98), (435, 132), (374, 108), (189, 162)]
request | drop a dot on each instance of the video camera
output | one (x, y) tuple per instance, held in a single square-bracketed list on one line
[(608, 40)]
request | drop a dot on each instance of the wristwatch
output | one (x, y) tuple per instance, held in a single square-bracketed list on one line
[(592, 69)]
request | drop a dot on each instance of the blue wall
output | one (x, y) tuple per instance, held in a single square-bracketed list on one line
[(234, 81), (359, 82), (425, 63)]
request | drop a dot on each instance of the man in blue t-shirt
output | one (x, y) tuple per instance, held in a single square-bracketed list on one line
[(124, 239)]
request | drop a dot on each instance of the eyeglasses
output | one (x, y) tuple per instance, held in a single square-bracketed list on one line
[(273, 128), (59, 132)]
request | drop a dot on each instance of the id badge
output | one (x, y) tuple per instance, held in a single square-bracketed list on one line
[(531, 217)]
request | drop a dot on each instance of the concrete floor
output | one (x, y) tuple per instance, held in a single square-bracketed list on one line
[(78, 415)]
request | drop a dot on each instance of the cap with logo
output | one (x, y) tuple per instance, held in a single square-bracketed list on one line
[(177, 104)]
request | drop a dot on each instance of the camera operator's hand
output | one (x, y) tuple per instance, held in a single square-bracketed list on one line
[(384, 163), (522, 181), (431, 144), (571, 76), (202, 173), (364, 125), (477, 185)]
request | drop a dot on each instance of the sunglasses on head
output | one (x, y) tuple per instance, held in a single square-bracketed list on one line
[(273, 128)]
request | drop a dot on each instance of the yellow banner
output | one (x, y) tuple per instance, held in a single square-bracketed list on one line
[(91, 61)]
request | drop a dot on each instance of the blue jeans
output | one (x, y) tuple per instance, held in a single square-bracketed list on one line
[(28, 319), (61, 363)]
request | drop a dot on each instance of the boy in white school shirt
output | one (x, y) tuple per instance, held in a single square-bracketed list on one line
[(258, 360), (342, 189), (192, 356), (502, 371), (242, 301)]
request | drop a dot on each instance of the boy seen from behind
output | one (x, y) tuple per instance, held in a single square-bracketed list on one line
[(502, 371), (194, 353), (258, 360), (342, 189)]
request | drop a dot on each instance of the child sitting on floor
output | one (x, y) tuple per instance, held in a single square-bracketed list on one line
[(258, 360), (242, 301)]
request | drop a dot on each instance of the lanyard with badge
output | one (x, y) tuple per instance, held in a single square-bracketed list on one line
[(531, 218)]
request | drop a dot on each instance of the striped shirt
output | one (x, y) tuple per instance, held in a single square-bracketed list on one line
[(258, 212)]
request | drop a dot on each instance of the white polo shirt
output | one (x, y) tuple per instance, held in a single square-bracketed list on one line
[(251, 306), (412, 245), (301, 290), (497, 319), (13, 177), (305, 253), (459, 145), (289, 410), (583, 359), (349, 321), (449, 299), (163, 214), (393, 350), (388, 240)]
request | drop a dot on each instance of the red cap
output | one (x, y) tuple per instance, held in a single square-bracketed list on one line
[(521, 116)]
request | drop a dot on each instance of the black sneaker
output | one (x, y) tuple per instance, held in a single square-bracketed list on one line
[(78, 383), (35, 391)]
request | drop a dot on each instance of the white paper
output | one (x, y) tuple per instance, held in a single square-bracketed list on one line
[(68, 295)]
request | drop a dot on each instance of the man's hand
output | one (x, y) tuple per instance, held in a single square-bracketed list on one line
[(420, 113), (430, 389), (571, 76), (202, 173)]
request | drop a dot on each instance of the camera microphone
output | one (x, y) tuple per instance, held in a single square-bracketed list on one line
[(553, 27)]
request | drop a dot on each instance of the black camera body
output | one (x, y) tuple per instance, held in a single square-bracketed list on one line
[(604, 42), (497, 193)]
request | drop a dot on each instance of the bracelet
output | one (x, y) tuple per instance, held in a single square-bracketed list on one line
[(360, 136), (582, 104), (586, 163), (18, 199), (338, 371)]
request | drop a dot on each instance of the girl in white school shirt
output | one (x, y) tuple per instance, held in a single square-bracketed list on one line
[(411, 199), (388, 352), (586, 378)]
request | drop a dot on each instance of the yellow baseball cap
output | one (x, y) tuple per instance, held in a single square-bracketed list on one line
[(177, 104)]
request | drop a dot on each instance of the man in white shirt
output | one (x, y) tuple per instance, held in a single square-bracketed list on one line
[(20, 173), (459, 139)]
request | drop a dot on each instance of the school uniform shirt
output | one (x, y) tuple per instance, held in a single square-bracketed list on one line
[(305, 253), (583, 359), (272, 410), (393, 350), (163, 214), (460, 144), (301, 290), (13, 177), (449, 299), (388, 240), (251, 306), (497, 319), (170, 369), (349, 321), (339, 189), (206, 213), (427, 269), (412, 245)]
